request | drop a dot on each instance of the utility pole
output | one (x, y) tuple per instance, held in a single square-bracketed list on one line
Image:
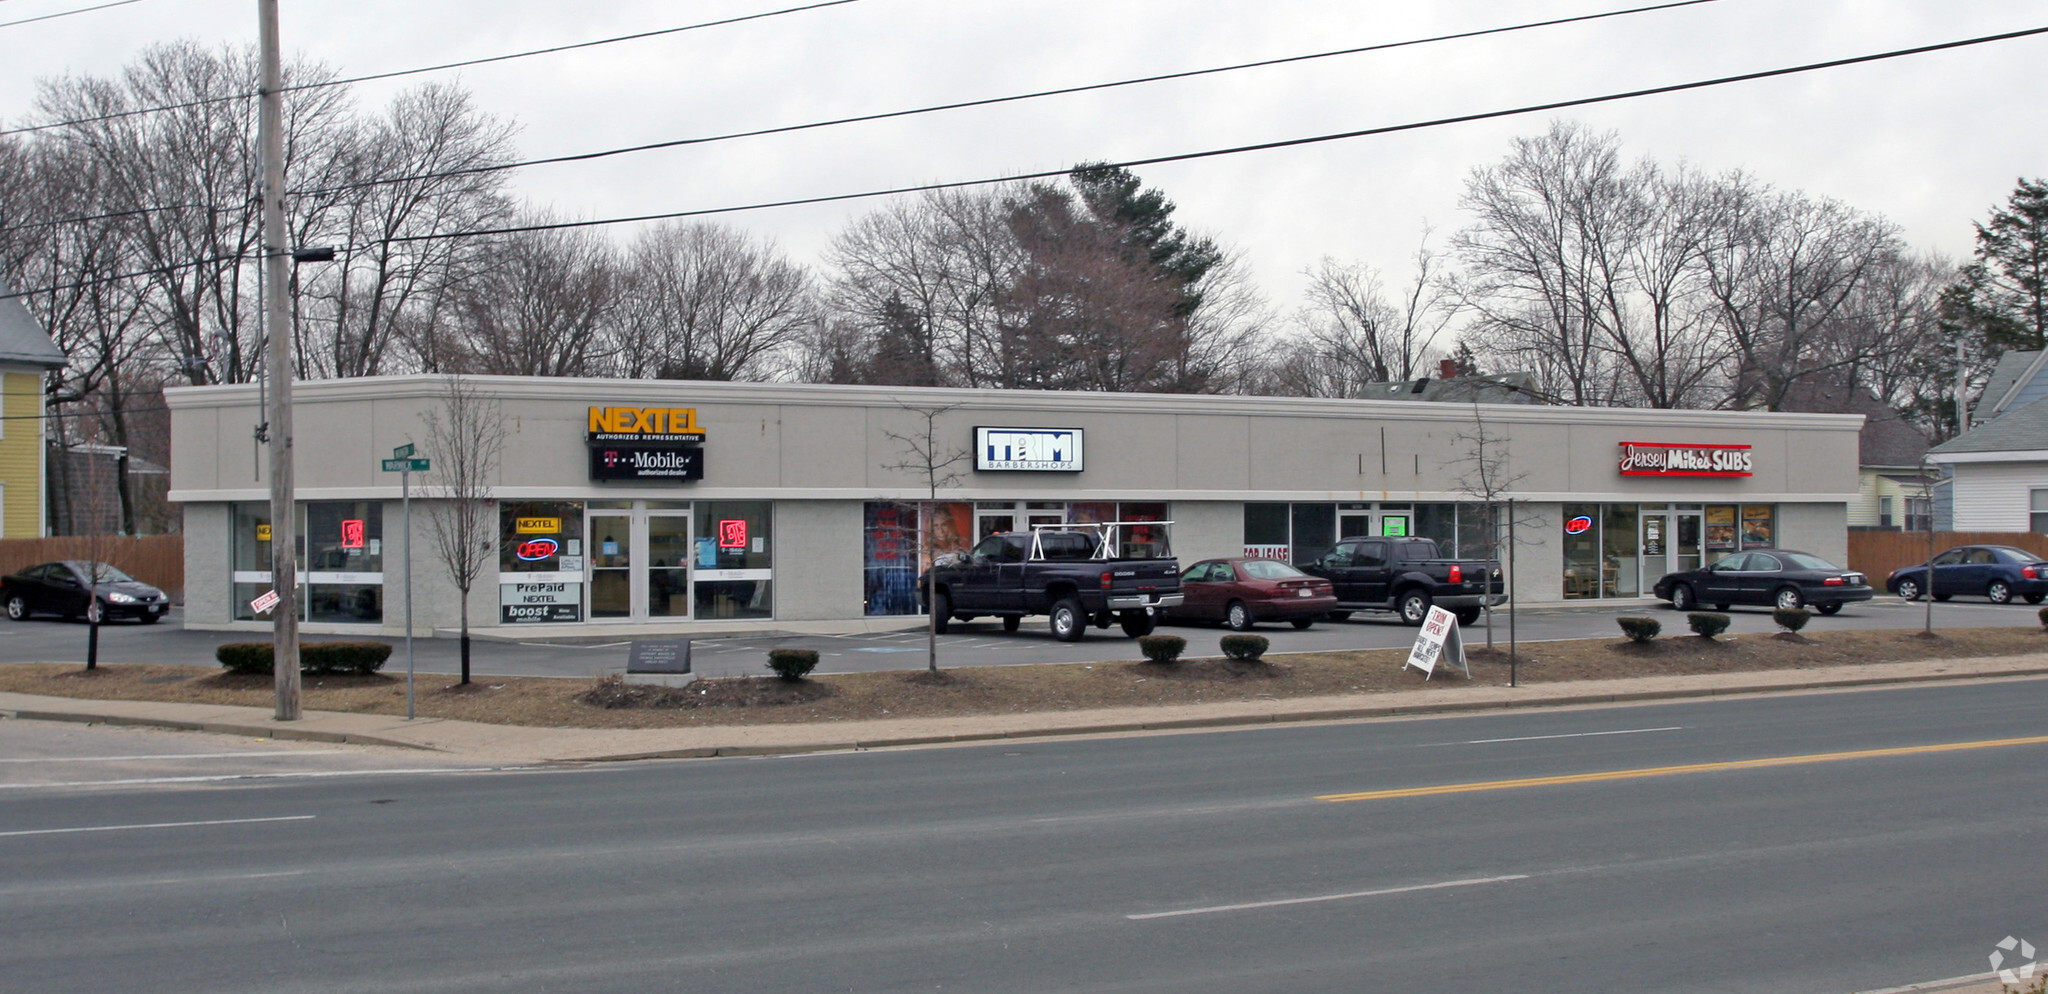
[(284, 542)]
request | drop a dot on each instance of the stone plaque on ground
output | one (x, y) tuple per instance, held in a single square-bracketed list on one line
[(659, 661)]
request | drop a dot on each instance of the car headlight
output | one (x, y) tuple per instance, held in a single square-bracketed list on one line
[(117, 597)]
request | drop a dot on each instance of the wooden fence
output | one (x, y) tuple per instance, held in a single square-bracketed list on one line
[(158, 560), (1878, 553)]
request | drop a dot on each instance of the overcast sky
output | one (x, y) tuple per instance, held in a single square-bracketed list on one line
[(1930, 141)]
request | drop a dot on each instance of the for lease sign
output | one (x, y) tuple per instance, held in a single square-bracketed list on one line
[(1685, 459)]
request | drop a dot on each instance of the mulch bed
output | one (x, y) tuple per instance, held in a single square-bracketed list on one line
[(1007, 689)]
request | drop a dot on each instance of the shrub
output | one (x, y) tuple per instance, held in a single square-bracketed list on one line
[(1706, 624), (1640, 629), (1791, 619), (360, 658), (792, 664), (2044, 617), (245, 657), (1245, 647), (1162, 648)]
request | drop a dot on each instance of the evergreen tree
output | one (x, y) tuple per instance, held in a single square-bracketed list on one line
[(1115, 197), (2000, 300)]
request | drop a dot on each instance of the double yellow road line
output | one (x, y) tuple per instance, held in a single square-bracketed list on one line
[(1666, 771)]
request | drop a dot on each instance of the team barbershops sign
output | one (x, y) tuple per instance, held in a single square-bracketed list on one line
[(1685, 459)]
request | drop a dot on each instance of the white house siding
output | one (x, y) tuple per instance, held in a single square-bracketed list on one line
[(1994, 497)]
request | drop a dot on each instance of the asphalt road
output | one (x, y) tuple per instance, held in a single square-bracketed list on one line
[(981, 643), (1172, 863)]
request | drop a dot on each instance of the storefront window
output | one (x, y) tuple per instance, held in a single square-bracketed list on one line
[(540, 561), (1620, 570), (1265, 531), (1582, 560), (250, 542), (1758, 524), (1439, 522), (344, 561), (340, 556), (1721, 538), (1479, 532), (1315, 531), (734, 566)]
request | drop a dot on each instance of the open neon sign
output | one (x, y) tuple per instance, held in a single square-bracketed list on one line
[(1578, 526), (535, 549)]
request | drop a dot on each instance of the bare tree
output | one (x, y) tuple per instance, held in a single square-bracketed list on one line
[(465, 437), (1488, 478), (708, 302), (1351, 334), (544, 309), (1784, 268), (934, 464), (414, 171), (932, 273)]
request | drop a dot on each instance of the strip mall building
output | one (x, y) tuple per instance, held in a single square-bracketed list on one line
[(692, 506)]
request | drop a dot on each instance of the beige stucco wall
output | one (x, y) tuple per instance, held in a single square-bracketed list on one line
[(820, 451)]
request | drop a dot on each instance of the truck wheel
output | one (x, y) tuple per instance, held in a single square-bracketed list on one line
[(1468, 616), (1414, 607), (1301, 624), (1069, 623), (1337, 615), (942, 611), (1137, 623), (1011, 622), (1238, 617)]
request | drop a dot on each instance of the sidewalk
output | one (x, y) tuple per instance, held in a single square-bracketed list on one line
[(482, 744)]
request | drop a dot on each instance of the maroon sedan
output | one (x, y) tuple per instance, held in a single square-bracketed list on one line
[(1243, 592)]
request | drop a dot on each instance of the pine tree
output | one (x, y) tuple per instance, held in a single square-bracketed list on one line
[(2001, 298)]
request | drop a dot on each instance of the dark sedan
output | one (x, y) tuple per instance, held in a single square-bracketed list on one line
[(1243, 592), (1997, 572), (1770, 577), (62, 588)]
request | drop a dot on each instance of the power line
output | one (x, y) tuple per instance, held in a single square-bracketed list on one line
[(1258, 147), (1154, 160), (989, 101), (117, 115), (108, 216), (66, 13)]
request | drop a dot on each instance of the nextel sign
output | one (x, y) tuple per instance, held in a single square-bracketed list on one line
[(1041, 450), (644, 424)]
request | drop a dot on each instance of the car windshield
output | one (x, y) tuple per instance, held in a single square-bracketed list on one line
[(1800, 560), (1267, 569), (107, 573)]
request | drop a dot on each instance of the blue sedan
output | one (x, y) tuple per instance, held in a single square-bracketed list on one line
[(1996, 572)]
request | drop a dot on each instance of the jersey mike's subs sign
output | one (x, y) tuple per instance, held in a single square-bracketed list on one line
[(1685, 459)]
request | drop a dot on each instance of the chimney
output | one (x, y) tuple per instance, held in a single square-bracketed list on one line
[(1447, 369)]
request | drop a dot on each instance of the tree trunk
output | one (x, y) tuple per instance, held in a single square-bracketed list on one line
[(465, 638)]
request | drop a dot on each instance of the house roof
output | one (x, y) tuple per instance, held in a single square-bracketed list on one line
[(1886, 438), (22, 340), (1505, 388), (2014, 382), (2022, 429)]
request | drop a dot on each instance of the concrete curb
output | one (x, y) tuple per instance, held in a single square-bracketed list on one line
[(111, 714), (1298, 717), (213, 727)]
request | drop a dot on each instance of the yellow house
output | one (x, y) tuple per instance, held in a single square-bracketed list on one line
[(26, 355)]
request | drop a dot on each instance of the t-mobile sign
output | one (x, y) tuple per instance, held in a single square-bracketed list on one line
[(1039, 450)]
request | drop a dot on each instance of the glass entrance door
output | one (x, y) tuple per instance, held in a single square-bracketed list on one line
[(1671, 543), (669, 552), (611, 565)]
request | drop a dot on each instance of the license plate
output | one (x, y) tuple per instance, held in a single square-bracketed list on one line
[(1302, 593)]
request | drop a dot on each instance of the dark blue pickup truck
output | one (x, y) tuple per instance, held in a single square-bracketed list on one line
[(1113, 572)]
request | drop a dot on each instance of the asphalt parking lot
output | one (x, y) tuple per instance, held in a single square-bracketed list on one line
[(972, 644)]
